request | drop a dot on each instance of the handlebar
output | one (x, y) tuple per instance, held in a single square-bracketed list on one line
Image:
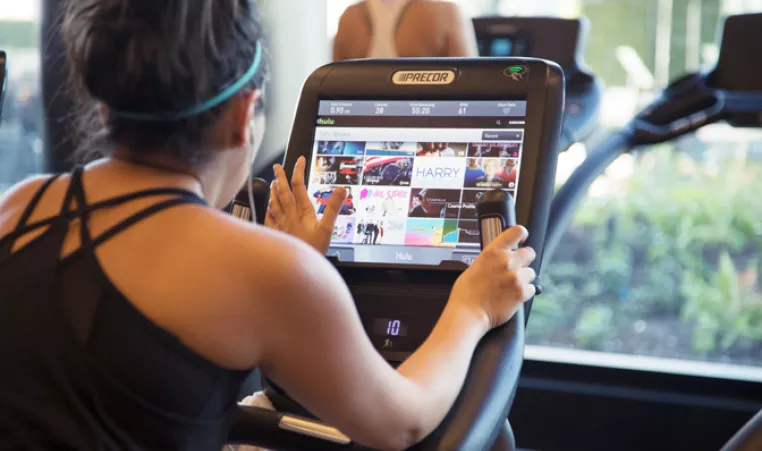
[(573, 191), (686, 106), (256, 426), (749, 438)]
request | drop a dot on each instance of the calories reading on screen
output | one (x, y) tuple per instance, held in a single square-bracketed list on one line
[(414, 171)]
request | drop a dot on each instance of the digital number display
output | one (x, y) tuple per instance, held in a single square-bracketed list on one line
[(340, 110), (390, 327)]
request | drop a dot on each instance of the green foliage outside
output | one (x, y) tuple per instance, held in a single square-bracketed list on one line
[(665, 265)]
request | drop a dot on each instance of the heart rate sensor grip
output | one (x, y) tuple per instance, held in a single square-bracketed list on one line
[(497, 213)]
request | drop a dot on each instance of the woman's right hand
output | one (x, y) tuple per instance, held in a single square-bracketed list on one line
[(292, 212), (500, 280)]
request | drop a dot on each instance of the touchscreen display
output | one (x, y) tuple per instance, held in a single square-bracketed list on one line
[(414, 172)]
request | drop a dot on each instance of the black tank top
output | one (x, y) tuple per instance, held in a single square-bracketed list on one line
[(80, 367)]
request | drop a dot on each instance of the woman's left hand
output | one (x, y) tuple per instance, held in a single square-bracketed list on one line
[(292, 212)]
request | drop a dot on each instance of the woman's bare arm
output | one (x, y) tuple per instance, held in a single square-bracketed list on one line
[(314, 344), (318, 351), (315, 347)]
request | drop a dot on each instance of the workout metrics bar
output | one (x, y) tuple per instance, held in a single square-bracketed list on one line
[(416, 134), (398, 108)]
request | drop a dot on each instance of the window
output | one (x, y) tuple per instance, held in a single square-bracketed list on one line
[(21, 129), (662, 266)]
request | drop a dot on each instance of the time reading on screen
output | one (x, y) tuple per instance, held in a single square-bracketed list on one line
[(421, 110)]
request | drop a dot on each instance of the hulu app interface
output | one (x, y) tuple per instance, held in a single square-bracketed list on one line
[(414, 172)]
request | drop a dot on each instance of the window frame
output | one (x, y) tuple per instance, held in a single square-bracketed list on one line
[(562, 406)]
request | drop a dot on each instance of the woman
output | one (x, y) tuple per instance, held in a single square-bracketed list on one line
[(404, 28), (132, 307)]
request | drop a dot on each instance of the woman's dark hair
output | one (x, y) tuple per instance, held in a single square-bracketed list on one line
[(158, 56)]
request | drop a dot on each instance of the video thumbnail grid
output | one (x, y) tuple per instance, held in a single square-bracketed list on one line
[(411, 194)]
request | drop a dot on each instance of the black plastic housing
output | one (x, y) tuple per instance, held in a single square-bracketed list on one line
[(420, 293), (564, 42)]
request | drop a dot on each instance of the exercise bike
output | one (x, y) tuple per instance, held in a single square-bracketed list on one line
[(729, 92)]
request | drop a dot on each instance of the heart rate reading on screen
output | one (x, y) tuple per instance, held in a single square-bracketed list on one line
[(413, 182)]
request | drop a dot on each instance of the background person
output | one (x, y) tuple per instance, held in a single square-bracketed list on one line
[(404, 28)]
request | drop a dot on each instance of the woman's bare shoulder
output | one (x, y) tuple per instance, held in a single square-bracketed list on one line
[(22, 192), (15, 200), (277, 258), (223, 282)]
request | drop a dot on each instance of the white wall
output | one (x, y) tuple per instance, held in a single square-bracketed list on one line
[(298, 46)]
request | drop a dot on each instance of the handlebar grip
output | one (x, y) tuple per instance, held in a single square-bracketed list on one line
[(496, 213)]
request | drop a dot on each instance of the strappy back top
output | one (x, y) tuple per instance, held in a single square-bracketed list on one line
[(383, 19), (80, 367)]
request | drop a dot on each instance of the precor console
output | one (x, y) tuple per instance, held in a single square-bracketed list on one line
[(562, 41), (418, 143)]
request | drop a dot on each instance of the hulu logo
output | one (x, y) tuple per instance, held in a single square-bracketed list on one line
[(325, 121)]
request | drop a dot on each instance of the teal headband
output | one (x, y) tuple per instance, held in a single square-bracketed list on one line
[(217, 100)]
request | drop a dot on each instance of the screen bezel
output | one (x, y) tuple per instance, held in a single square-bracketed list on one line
[(542, 88)]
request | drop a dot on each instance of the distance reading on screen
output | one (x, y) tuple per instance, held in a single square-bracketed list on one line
[(414, 171)]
